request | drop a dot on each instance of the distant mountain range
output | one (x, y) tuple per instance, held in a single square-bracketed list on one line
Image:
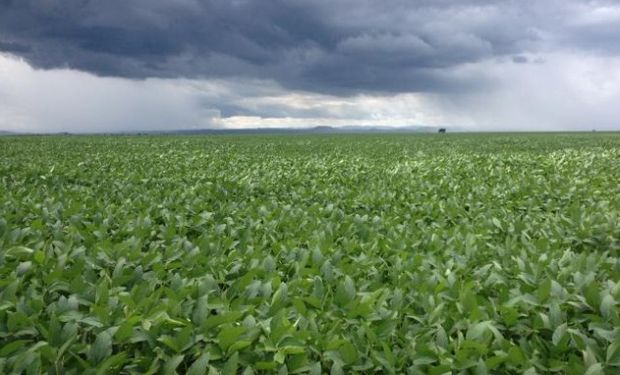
[(311, 130)]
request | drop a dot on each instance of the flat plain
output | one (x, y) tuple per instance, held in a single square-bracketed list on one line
[(399, 253)]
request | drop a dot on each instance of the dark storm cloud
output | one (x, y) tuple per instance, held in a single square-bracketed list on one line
[(343, 46), (13, 47)]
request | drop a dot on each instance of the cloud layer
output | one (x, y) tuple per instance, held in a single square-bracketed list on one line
[(318, 45), (475, 62)]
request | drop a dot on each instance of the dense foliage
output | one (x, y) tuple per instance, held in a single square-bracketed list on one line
[(429, 254)]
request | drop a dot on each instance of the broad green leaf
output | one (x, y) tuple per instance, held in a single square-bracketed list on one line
[(230, 368), (559, 334), (101, 348), (227, 317), (348, 353), (607, 305), (172, 363), (228, 336), (595, 369), (199, 366)]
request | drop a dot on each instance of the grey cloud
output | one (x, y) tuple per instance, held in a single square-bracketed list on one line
[(603, 37), (520, 59), (338, 47), (13, 47)]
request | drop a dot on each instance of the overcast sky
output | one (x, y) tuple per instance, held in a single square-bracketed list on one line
[(110, 65)]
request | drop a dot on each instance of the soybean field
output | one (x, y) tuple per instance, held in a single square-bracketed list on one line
[(310, 254)]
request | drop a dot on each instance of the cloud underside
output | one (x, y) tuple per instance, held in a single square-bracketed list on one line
[(336, 47)]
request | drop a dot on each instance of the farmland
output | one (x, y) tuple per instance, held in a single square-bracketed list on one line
[(421, 254)]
